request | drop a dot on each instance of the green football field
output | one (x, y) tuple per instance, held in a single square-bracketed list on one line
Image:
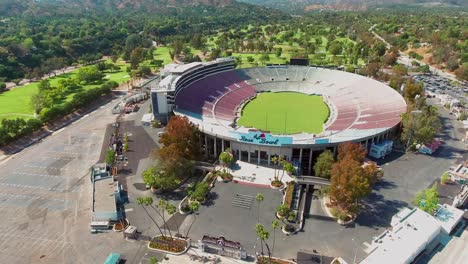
[(285, 113)]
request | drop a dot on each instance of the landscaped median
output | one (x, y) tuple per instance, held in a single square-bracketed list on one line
[(120, 226), (271, 260), (341, 217), (198, 192), (286, 213), (169, 245)]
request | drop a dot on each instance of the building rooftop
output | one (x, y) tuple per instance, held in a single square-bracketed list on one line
[(405, 240), (104, 195), (448, 217), (461, 170), (99, 171)]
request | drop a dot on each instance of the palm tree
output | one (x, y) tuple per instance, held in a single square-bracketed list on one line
[(172, 210), (162, 205), (275, 162), (146, 201), (275, 225), (194, 207), (263, 235), (259, 199)]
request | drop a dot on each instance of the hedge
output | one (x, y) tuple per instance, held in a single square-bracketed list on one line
[(13, 129)]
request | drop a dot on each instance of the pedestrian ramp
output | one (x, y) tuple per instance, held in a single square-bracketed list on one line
[(243, 201)]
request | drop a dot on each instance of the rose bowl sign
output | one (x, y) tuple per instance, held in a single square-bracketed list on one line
[(261, 138)]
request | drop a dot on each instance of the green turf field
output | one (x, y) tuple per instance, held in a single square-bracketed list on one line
[(285, 113)]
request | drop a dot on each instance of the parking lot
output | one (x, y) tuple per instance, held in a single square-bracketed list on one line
[(46, 193), (439, 85)]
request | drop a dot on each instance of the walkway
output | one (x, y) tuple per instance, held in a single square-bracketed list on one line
[(248, 173), (311, 180), (197, 256)]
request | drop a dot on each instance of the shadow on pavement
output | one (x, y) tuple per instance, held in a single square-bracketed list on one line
[(377, 212), (384, 184)]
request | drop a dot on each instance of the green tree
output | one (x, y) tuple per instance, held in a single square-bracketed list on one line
[(2, 87), (136, 57), (259, 199), (263, 235), (336, 48), (110, 157), (428, 200), (200, 191), (283, 211), (421, 127), (412, 90), (274, 225), (144, 202), (324, 164), (44, 85), (89, 74), (149, 177), (226, 158), (278, 52)]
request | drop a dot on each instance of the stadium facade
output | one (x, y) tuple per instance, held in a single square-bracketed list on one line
[(212, 96)]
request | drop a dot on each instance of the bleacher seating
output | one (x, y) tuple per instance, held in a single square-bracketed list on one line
[(358, 102)]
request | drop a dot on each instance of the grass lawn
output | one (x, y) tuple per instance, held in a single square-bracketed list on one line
[(16, 103), (285, 113), (256, 56), (162, 53)]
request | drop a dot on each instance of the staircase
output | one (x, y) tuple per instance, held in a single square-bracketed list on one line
[(243, 201)]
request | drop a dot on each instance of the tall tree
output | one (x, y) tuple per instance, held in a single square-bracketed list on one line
[(428, 200), (259, 199), (324, 164), (89, 74), (351, 150), (144, 202), (412, 90), (274, 225), (349, 184), (182, 137), (263, 235)]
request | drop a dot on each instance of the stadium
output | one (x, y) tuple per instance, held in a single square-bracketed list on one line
[(289, 110)]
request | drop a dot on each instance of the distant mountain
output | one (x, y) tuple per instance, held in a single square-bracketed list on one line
[(353, 5), (11, 7)]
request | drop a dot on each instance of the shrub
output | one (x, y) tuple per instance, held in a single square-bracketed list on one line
[(283, 210), (289, 228), (289, 168), (156, 123), (200, 191), (289, 193), (445, 178), (292, 216), (110, 156), (2, 87), (186, 208)]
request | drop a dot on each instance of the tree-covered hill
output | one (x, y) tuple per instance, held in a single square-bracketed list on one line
[(35, 34), (11, 7), (350, 5)]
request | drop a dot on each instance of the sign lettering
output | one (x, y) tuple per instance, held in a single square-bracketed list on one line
[(262, 139)]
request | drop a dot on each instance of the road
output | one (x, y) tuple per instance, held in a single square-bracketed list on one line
[(45, 193), (405, 60)]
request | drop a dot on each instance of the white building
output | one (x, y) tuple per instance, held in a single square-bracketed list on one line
[(412, 230)]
